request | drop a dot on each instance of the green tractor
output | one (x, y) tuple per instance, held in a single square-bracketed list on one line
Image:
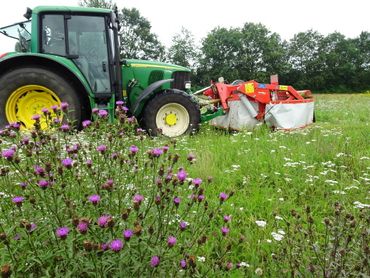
[(71, 54)]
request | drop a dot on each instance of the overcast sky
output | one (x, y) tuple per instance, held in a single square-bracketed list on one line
[(285, 17)]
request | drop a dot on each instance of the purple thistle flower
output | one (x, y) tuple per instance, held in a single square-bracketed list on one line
[(62, 232), (176, 201), (154, 261), (64, 106), (183, 264), (18, 200), (65, 128), (95, 111), (171, 241), (227, 218), (57, 121), (82, 227), (197, 182), (200, 198), (43, 184), (32, 227), (137, 199), (191, 157), (104, 246), (23, 184), (156, 152), (183, 225), (86, 123), (67, 162), (102, 149), (181, 175), (125, 109), (89, 163), (45, 110), (54, 108), (165, 148), (133, 149), (127, 234), (38, 170), (8, 154), (36, 117), (104, 220), (25, 140), (103, 113), (116, 245), (94, 199), (120, 102), (223, 196), (225, 231)]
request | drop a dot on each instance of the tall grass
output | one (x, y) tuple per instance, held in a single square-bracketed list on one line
[(300, 203)]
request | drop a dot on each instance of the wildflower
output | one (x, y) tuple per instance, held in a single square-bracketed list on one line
[(120, 103), (89, 163), (65, 128), (200, 198), (223, 196), (43, 184), (154, 261), (227, 218), (127, 234), (25, 140), (64, 106), (102, 113), (86, 123), (133, 149), (36, 117), (277, 236), (8, 154), (104, 220), (225, 231), (183, 225), (171, 241), (261, 223), (156, 152), (258, 271), (95, 111), (176, 201), (137, 199), (38, 170), (181, 175), (165, 148), (183, 264), (116, 245), (62, 232), (94, 199), (229, 266), (18, 200), (54, 108), (191, 157), (101, 148), (45, 111), (197, 182), (242, 264), (32, 227), (67, 162), (82, 227), (201, 259), (23, 184), (157, 200)]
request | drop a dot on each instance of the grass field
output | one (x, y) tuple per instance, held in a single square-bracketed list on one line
[(299, 201)]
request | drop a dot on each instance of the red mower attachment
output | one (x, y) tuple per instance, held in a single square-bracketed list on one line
[(248, 103)]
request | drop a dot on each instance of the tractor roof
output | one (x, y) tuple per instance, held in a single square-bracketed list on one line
[(43, 9)]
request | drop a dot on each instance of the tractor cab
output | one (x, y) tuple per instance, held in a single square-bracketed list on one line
[(89, 39)]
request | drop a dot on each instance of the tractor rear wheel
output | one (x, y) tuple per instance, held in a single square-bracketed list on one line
[(171, 113), (26, 91)]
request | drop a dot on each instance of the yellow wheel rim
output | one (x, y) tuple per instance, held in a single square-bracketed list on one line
[(173, 119), (27, 101)]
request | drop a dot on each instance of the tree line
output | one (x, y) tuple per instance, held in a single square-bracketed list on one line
[(310, 60)]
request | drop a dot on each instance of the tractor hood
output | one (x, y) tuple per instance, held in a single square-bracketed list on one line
[(134, 63)]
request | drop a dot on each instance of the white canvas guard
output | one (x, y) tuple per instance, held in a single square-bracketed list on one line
[(289, 115), (241, 115)]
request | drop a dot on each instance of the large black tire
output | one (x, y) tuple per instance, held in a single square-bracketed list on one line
[(17, 78), (171, 113)]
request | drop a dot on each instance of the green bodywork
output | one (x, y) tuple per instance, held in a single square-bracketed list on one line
[(137, 76)]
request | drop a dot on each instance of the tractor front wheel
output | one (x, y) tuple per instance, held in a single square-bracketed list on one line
[(171, 113), (26, 91)]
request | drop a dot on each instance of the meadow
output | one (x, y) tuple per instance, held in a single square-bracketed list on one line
[(110, 201)]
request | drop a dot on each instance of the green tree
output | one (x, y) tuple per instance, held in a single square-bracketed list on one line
[(106, 4), (183, 50), (137, 40), (307, 66)]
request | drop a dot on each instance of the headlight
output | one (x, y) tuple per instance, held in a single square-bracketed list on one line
[(187, 85)]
